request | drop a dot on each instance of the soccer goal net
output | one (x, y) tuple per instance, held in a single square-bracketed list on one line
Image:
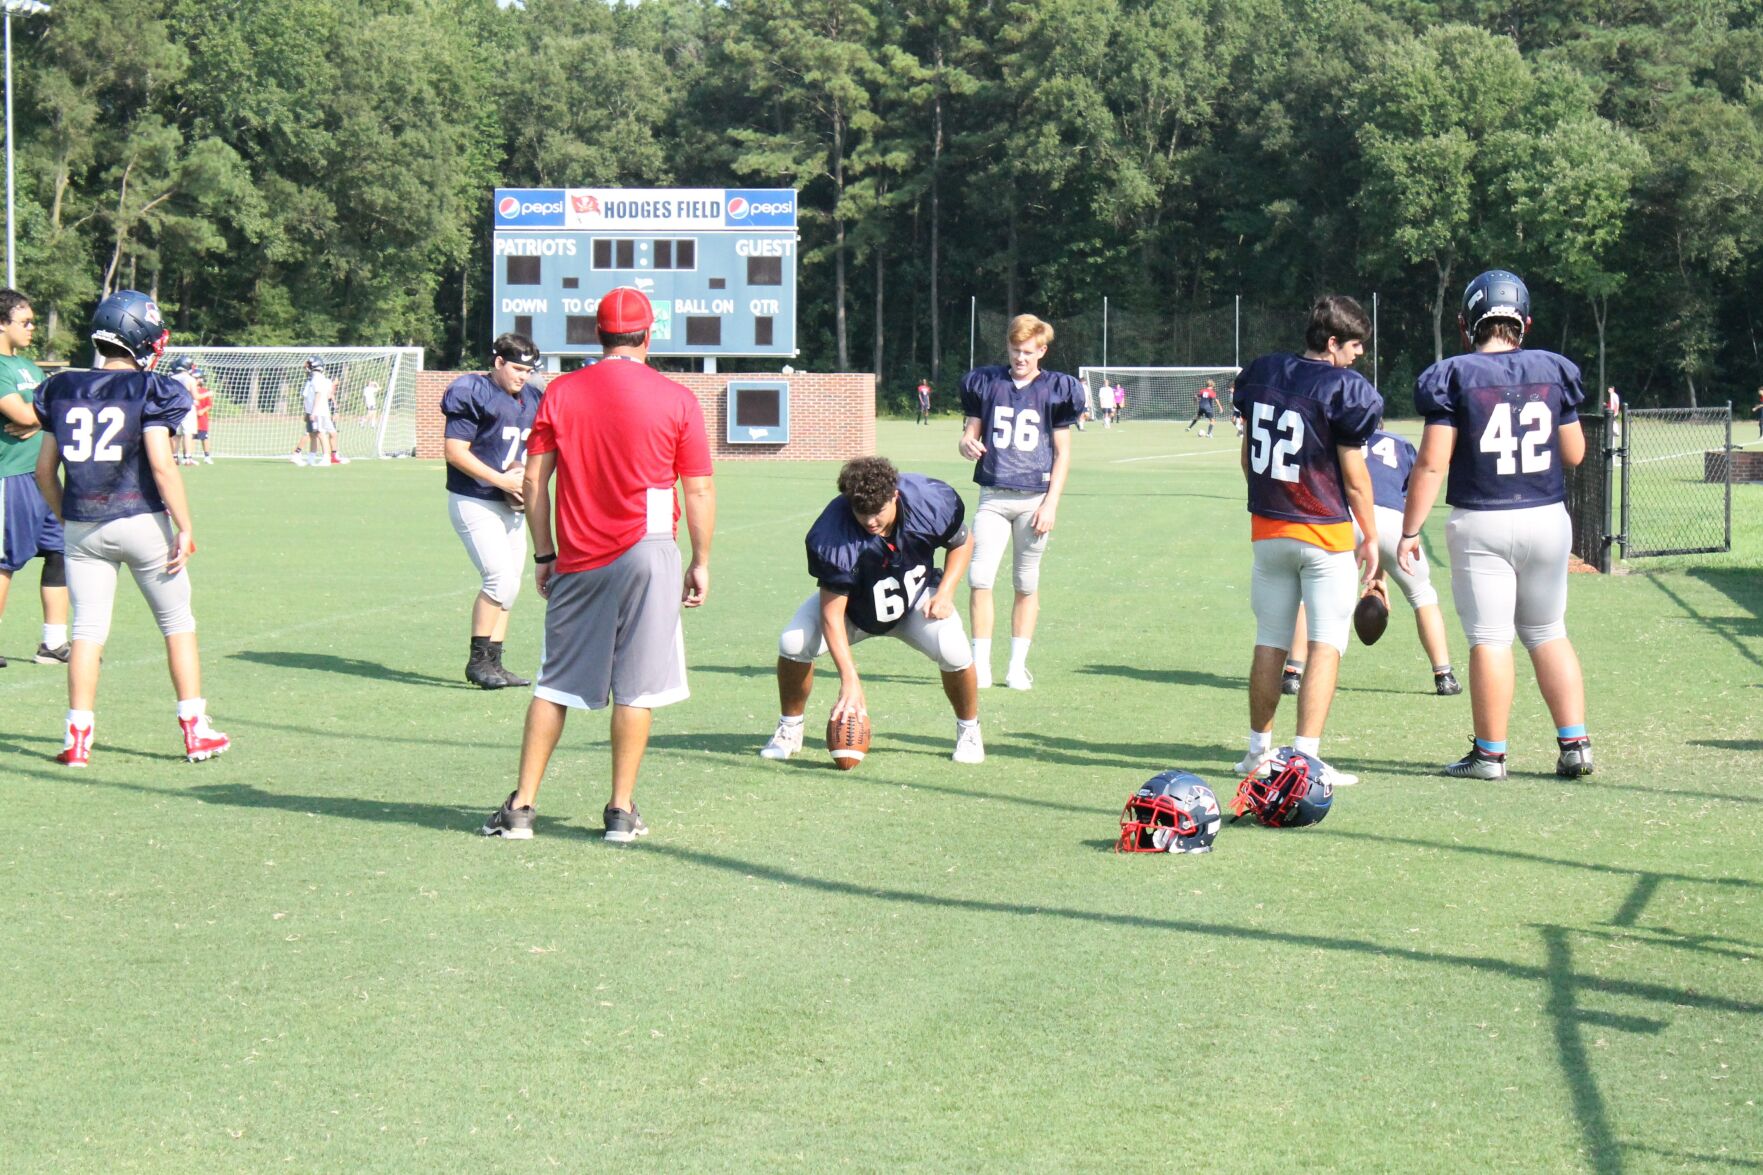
[(1157, 393), (259, 406)]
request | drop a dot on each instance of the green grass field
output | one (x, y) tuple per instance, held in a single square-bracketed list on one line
[(302, 956)]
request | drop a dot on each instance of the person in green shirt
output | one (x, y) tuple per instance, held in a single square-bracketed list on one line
[(28, 527)]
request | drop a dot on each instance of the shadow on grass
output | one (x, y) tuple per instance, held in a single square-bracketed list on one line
[(348, 666), (769, 672), (1741, 587), (1729, 744), (1198, 677)]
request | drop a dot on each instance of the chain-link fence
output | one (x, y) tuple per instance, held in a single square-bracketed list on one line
[(1589, 494), (1676, 481)]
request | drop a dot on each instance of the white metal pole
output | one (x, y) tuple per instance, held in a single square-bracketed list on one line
[(972, 320), (1374, 338), (1239, 331), (11, 268), (1104, 330)]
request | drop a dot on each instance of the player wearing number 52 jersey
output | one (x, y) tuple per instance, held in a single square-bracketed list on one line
[(1504, 421), (106, 469), (873, 552), (488, 420), (1308, 416), (1017, 435)]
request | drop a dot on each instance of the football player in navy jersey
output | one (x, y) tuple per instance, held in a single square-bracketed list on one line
[(488, 419), (106, 469), (1308, 416), (1390, 459), (1017, 435), (873, 553), (1503, 421)]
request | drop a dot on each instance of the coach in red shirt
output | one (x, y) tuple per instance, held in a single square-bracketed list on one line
[(617, 436)]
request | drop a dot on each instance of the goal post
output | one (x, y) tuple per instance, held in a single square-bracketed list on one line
[(1158, 393), (258, 410)]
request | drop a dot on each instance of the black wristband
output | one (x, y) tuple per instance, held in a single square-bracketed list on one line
[(551, 558), (1415, 535)]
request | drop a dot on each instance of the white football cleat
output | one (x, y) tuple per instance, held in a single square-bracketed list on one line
[(969, 746), (1260, 766), (982, 671), (1336, 778), (1019, 678), (785, 741)]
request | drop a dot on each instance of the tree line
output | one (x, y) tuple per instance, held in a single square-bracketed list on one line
[(320, 172)]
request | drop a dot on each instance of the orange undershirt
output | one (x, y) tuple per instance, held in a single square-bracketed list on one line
[(1330, 536)]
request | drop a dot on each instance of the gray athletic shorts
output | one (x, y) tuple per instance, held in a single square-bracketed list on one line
[(1509, 573), (1006, 517), (1288, 572), (141, 542), (615, 632)]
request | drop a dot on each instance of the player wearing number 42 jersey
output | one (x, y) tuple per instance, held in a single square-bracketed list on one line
[(873, 553), (1504, 421), (1308, 416), (488, 420), (106, 469), (1017, 434)]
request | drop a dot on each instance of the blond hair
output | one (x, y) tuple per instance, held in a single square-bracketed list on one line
[(1026, 327)]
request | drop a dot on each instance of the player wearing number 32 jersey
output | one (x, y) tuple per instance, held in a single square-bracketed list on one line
[(1504, 421), (873, 552), (1017, 434), (1308, 416), (489, 418), (106, 469)]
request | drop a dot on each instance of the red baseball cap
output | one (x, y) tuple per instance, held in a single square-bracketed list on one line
[(625, 310)]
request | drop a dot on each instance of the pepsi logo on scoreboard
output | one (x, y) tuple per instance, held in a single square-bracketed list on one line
[(760, 208), (529, 208)]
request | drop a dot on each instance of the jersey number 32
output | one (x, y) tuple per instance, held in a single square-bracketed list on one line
[(83, 426)]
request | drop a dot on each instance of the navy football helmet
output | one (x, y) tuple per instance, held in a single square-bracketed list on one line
[(179, 363), (1498, 293), (131, 320), (1174, 812), (1293, 794)]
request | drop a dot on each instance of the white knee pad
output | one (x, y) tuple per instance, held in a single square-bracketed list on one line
[(1026, 562), (991, 534), (502, 586), (802, 639), (1532, 635), (954, 650)]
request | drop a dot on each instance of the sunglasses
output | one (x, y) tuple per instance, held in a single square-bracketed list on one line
[(27, 322)]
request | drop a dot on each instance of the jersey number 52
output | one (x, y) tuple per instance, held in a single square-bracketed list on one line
[(1271, 449)]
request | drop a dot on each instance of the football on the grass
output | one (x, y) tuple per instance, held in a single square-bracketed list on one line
[(1370, 617), (848, 739)]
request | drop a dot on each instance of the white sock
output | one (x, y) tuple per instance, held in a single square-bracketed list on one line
[(962, 725), (77, 719), (982, 651), (1019, 651), (192, 708), (786, 720), (1260, 742), (55, 635), (1307, 746)]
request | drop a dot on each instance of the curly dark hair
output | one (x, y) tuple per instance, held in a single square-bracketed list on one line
[(869, 483)]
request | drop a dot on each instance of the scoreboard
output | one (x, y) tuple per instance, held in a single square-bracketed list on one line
[(719, 265)]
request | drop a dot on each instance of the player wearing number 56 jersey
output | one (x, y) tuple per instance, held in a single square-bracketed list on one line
[(1017, 435), (488, 420), (873, 552), (106, 469), (1505, 422), (1308, 416)]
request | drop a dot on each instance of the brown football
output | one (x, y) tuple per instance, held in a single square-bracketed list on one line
[(1370, 617), (848, 739), (517, 501)]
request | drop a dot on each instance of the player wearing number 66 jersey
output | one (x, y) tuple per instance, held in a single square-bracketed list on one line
[(1504, 421), (1308, 416), (873, 553), (1017, 434), (106, 469), (488, 420)]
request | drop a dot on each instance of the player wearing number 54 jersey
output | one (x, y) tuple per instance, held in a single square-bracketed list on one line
[(1504, 421), (1017, 434), (873, 553), (488, 420), (1308, 416), (106, 469)]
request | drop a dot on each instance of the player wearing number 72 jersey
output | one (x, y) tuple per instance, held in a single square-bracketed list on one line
[(1505, 421), (488, 420), (1017, 434), (873, 553)]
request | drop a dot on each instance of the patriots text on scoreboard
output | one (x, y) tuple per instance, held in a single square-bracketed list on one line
[(719, 265)]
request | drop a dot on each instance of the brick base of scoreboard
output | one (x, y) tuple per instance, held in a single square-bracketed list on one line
[(832, 417)]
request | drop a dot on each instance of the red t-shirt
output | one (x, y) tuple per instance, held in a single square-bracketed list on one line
[(623, 435), (204, 401)]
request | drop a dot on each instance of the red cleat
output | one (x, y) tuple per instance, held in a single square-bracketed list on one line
[(200, 740), (78, 752)]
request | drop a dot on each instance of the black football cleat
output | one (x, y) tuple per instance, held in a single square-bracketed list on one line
[(1576, 757), (1291, 683), (1446, 685), (1478, 764)]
